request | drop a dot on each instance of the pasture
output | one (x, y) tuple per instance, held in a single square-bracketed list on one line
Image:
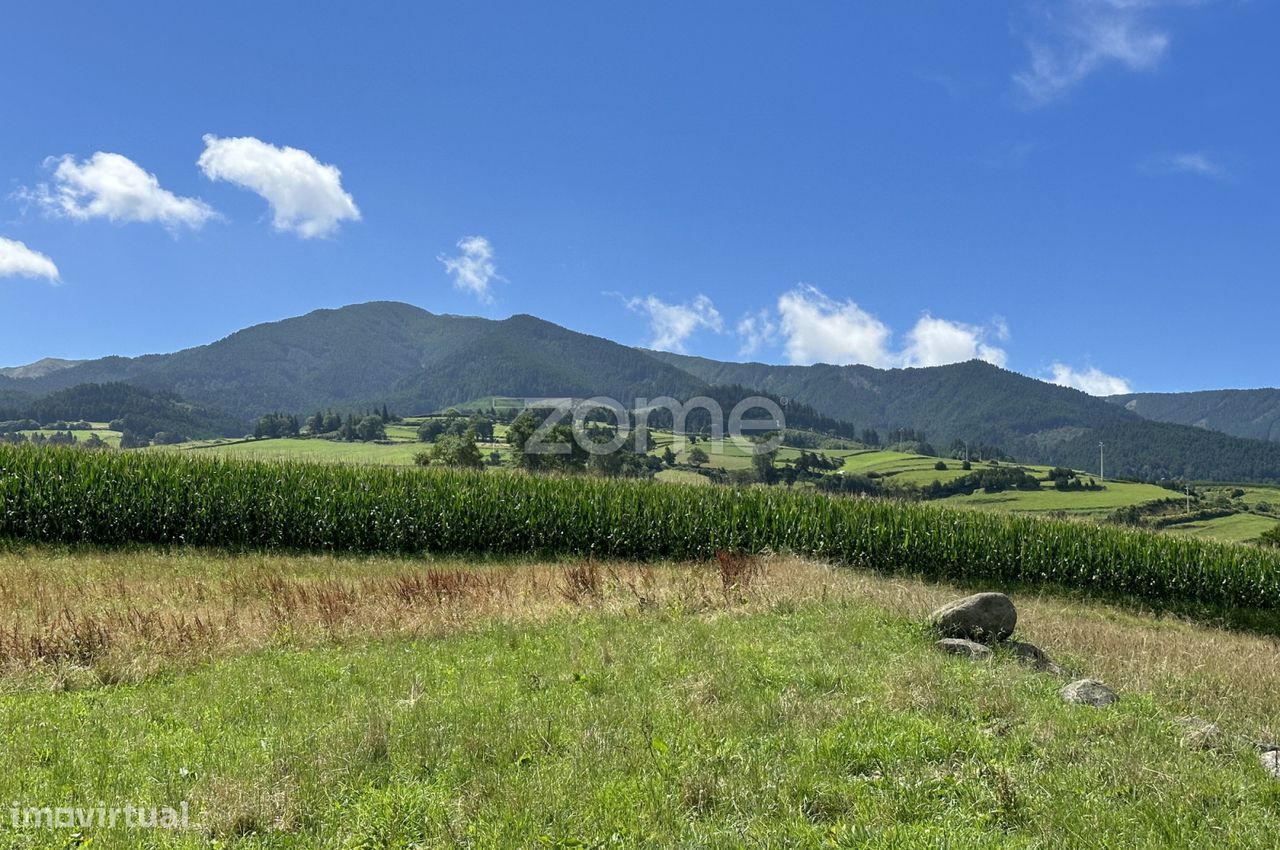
[(336, 702)]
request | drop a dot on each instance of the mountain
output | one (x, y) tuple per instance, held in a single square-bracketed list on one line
[(1033, 420), (1243, 413), (38, 369), (367, 355), (382, 352), (973, 401)]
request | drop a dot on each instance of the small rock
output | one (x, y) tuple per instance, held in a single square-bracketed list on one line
[(1199, 733), (1271, 763), (1089, 692), (983, 617), (968, 648), (1034, 657)]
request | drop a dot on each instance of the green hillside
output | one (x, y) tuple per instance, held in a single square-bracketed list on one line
[(384, 353), (1243, 413)]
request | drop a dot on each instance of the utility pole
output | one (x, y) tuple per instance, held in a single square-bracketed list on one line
[(1188, 500), (1102, 469)]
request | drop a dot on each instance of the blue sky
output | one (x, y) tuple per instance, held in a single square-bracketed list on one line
[(1081, 190)]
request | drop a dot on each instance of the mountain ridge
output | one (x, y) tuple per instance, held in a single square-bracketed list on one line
[(365, 355)]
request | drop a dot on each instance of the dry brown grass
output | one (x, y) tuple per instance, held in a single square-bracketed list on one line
[(75, 617)]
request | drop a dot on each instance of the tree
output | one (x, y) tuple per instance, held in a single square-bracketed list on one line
[(482, 425), (763, 464), (697, 457), (371, 428), (1270, 537), (668, 456), (457, 451), (521, 431)]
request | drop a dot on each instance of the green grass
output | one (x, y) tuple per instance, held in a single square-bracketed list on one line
[(1115, 494), (813, 725), (399, 453), (683, 476), (1237, 528), (111, 438)]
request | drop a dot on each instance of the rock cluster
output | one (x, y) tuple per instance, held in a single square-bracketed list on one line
[(971, 626)]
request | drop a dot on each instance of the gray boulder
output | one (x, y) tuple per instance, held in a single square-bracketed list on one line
[(967, 648), (1271, 763), (1089, 692), (1034, 657), (984, 617), (1200, 734)]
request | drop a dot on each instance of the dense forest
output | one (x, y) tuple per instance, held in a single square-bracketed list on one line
[(1241, 413), (127, 408)]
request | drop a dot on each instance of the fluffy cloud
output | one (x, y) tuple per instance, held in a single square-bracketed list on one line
[(1193, 162), (756, 330), (672, 324), (1083, 36), (936, 342), (473, 270), (306, 196), (17, 260), (114, 187), (1092, 380), (817, 329)]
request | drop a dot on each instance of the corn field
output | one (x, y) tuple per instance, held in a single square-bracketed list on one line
[(68, 495)]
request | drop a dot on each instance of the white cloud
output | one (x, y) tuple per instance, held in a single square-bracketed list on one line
[(306, 196), (17, 260), (820, 330), (936, 342), (1084, 36), (756, 330), (815, 328), (1092, 380), (1192, 162), (672, 324), (114, 187), (473, 270)]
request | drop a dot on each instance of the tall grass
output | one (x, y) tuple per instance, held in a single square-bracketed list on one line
[(74, 496)]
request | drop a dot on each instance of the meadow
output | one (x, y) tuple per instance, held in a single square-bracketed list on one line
[(320, 701), (335, 656)]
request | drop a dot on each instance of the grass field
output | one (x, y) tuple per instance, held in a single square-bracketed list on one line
[(1229, 529), (359, 703), (394, 453), (1115, 494), (111, 438)]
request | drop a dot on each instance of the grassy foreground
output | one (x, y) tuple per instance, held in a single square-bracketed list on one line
[(359, 703)]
